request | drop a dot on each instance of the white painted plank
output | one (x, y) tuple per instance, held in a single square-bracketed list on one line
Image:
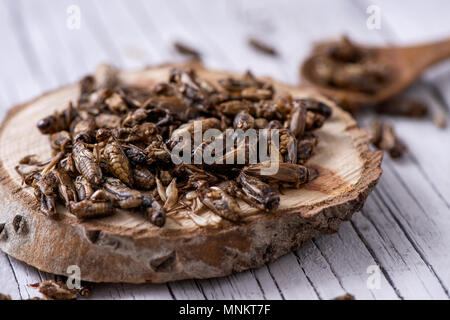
[(421, 214), (350, 259), (186, 290), (318, 271), (224, 33), (407, 270), (113, 18), (236, 286), (26, 275), (130, 292), (14, 64), (267, 283), (428, 144), (175, 25), (98, 30), (41, 46), (8, 282), (295, 26), (291, 279)]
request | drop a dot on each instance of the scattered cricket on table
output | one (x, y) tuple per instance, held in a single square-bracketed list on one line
[(112, 149)]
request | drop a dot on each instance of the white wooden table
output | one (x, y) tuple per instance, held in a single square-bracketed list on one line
[(404, 228)]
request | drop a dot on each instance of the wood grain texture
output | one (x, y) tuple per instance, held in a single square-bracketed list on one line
[(411, 257), (130, 249)]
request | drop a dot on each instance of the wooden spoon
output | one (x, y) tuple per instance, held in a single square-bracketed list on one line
[(407, 63)]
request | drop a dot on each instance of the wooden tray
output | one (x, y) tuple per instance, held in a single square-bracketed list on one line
[(126, 248)]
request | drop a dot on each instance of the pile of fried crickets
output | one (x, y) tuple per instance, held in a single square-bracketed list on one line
[(112, 150)]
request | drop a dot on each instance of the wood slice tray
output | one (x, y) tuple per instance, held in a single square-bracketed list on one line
[(127, 248)]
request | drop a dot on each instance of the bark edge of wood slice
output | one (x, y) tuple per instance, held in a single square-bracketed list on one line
[(126, 248)]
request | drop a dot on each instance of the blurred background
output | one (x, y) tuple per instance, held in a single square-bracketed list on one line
[(404, 227), (47, 43)]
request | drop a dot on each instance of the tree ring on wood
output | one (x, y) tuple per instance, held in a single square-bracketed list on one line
[(127, 248)]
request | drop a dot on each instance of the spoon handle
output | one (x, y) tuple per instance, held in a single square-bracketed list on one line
[(423, 56)]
